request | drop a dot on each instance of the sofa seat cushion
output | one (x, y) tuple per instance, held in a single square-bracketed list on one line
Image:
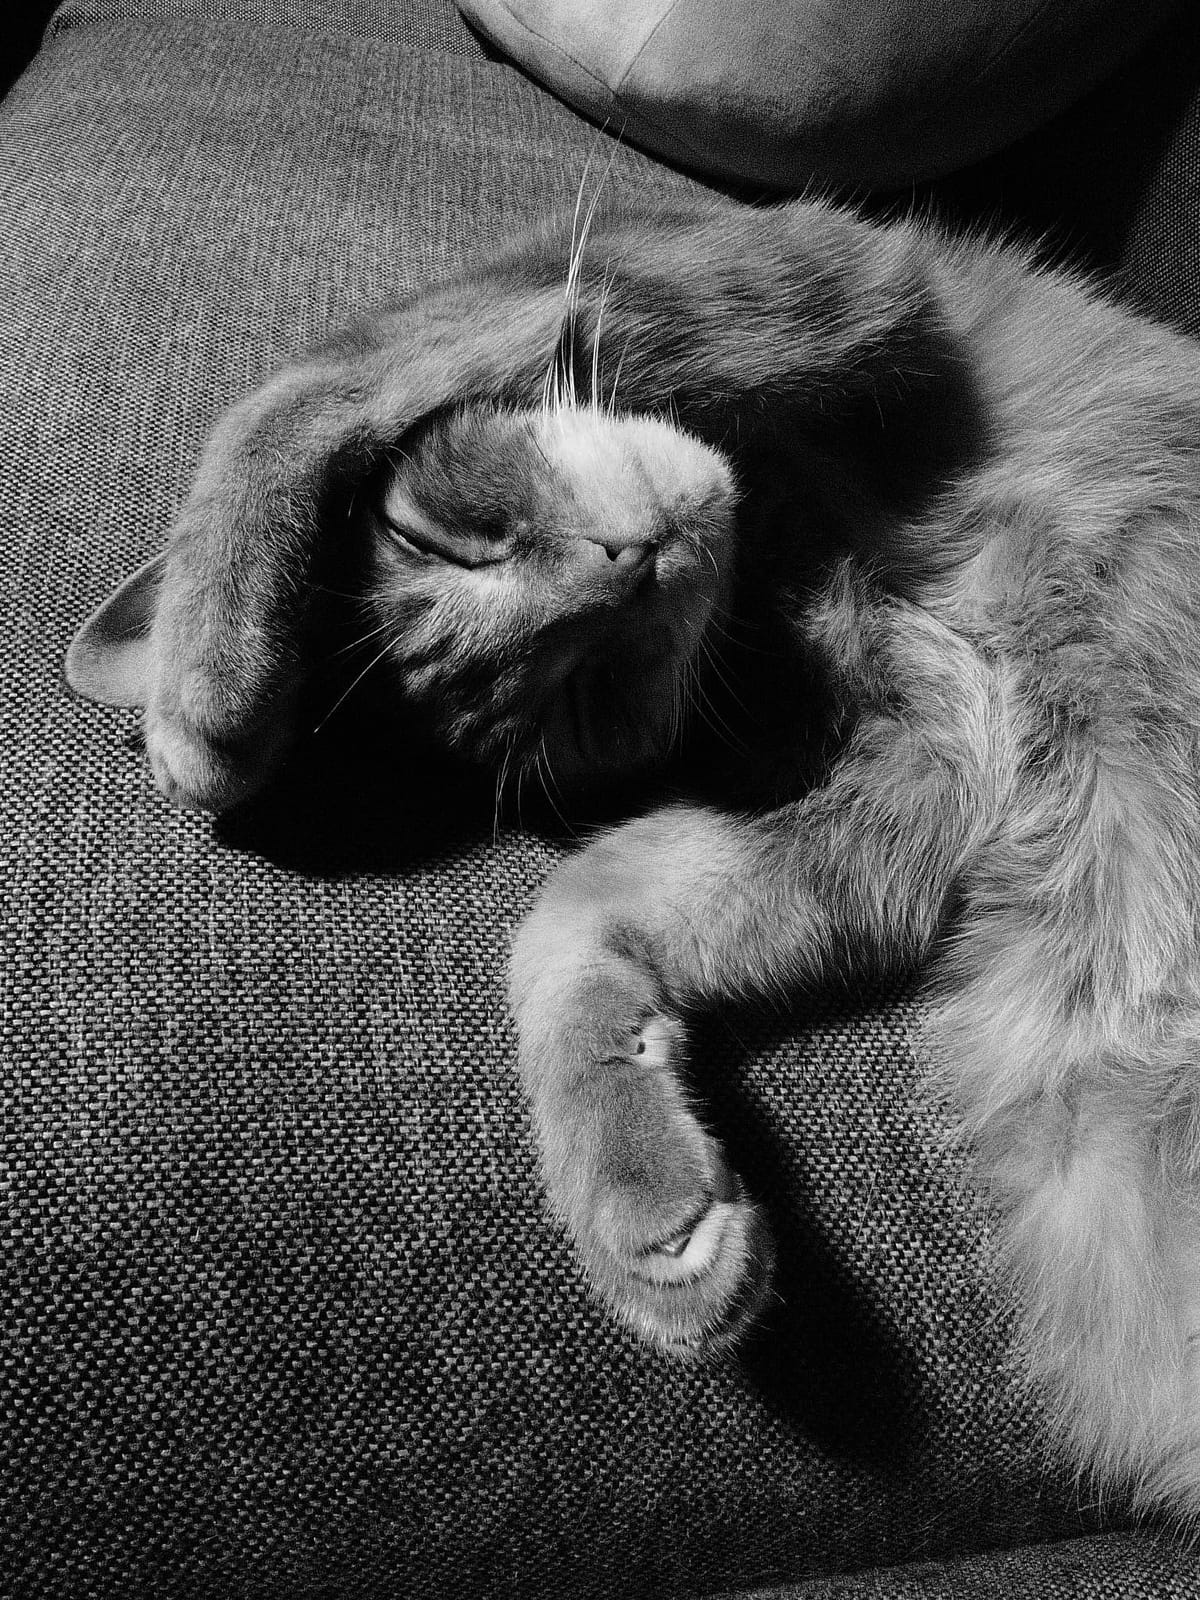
[(427, 25)]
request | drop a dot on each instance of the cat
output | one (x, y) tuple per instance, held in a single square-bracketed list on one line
[(952, 500)]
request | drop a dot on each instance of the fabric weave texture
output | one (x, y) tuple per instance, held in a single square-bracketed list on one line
[(425, 25)]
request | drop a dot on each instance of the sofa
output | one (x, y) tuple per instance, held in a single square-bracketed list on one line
[(283, 1314)]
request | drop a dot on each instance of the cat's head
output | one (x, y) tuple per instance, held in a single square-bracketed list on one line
[(540, 581), (544, 579)]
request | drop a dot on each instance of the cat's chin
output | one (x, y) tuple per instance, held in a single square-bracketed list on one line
[(614, 718), (620, 702)]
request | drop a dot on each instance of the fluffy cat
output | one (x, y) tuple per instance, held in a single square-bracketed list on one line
[(954, 503)]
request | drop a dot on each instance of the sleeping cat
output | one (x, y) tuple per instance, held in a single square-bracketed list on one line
[(950, 506)]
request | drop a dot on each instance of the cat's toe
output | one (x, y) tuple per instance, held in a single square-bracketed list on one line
[(700, 1290), (198, 771)]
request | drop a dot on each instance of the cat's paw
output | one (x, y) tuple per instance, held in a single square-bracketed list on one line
[(204, 765), (661, 1224)]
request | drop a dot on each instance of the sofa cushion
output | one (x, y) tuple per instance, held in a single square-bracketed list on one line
[(1112, 1567), (282, 1314), (782, 92), (1160, 247), (428, 25)]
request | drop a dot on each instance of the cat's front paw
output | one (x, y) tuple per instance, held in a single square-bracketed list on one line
[(209, 764), (661, 1224)]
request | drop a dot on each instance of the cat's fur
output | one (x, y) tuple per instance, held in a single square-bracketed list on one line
[(954, 502)]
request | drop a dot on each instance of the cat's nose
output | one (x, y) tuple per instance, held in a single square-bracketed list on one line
[(624, 564)]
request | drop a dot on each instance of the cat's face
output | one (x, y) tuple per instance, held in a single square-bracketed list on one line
[(546, 577)]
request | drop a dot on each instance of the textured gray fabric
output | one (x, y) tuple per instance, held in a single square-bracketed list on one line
[(1161, 249), (1112, 1567), (433, 25), (282, 1315)]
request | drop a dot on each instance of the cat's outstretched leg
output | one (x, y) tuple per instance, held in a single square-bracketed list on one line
[(686, 907)]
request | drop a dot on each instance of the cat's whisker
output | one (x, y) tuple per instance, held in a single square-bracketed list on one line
[(612, 398), (314, 587), (561, 395), (564, 396), (700, 549), (717, 625), (674, 719), (595, 401), (684, 709), (363, 639), (346, 693), (566, 368), (528, 767), (725, 623), (689, 687), (567, 396), (579, 235), (501, 780), (576, 240), (732, 642), (548, 782), (672, 712), (713, 719), (717, 668)]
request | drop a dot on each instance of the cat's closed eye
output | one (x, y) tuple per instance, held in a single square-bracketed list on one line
[(420, 538)]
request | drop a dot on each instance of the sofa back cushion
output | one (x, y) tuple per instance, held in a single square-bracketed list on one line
[(781, 92)]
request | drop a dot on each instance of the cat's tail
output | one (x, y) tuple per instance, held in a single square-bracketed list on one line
[(1087, 1146)]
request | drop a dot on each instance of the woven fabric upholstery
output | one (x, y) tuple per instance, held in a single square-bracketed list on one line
[(1114, 1567), (433, 25), (282, 1314), (1161, 248)]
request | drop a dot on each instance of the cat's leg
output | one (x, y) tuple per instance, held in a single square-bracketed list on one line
[(1068, 1044), (226, 644), (690, 906), (1093, 1186)]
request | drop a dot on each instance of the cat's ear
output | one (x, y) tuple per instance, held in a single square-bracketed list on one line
[(109, 658)]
